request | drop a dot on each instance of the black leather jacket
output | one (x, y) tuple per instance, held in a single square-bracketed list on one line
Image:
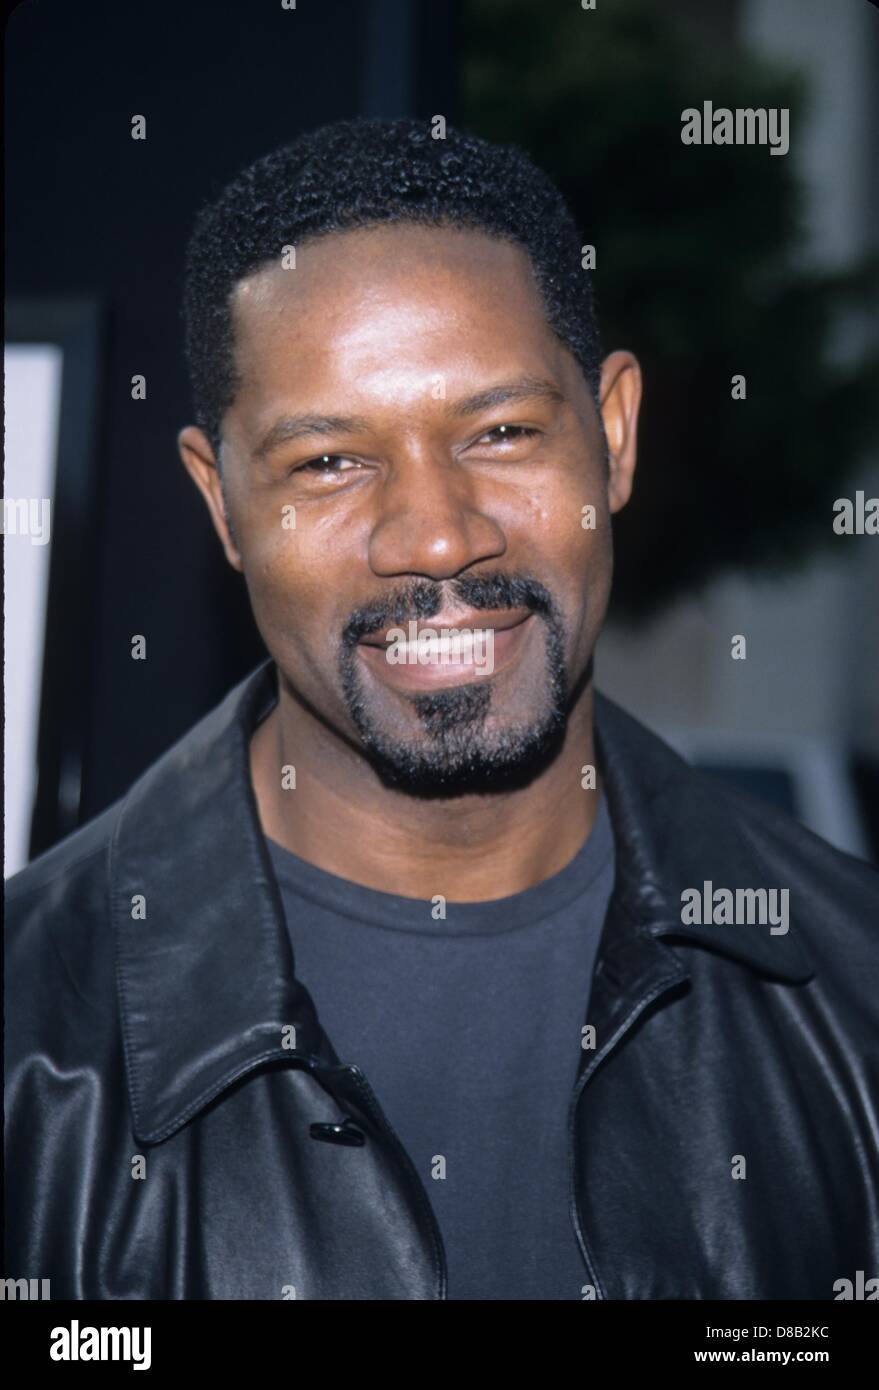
[(165, 1140)]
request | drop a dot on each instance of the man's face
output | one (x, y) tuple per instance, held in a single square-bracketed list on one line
[(410, 443)]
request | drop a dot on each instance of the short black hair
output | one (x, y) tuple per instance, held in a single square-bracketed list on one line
[(357, 173)]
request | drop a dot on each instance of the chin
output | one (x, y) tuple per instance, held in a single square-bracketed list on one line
[(456, 764)]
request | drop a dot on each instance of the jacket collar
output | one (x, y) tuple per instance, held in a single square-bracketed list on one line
[(675, 828), (205, 968)]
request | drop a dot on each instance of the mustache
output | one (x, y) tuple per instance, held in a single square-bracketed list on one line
[(423, 599)]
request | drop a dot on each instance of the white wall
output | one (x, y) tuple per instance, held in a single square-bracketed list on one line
[(33, 397)]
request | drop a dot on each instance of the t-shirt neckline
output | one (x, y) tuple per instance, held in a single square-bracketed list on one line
[(377, 908)]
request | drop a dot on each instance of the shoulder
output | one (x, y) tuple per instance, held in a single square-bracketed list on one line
[(59, 943), (690, 827), (58, 939), (834, 895), (82, 854)]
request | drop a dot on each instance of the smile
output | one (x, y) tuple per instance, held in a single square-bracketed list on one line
[(430, 657)]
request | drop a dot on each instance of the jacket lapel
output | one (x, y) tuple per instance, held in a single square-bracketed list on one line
[(669, 829), (206, 978), (674, 828)]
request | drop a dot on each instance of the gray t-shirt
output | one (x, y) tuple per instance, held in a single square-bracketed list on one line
[(468, 1030)]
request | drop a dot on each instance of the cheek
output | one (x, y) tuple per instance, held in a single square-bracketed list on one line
[(569, 541), (282, 576), (565, 528)]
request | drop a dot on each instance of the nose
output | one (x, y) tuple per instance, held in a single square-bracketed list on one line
[(432, 522)]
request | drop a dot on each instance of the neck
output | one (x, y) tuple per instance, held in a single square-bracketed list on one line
[(475, 848)]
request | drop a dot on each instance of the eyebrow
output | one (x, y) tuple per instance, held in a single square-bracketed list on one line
[(293, 427), (524, 388)]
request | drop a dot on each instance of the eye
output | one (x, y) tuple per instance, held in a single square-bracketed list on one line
[(507, 434), (325, 464)]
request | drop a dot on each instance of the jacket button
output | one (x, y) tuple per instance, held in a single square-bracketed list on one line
[(344, 1133)]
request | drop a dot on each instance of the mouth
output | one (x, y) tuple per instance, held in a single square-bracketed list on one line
[(447, 650)]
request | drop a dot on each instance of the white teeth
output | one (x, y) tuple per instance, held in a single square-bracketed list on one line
[(441, 647)]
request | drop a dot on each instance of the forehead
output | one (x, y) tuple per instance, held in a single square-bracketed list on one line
[(436, 298)]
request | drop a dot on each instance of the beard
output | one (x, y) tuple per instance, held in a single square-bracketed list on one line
[(455, 751)]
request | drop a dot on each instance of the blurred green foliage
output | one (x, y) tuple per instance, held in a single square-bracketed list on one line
[(700, 271)]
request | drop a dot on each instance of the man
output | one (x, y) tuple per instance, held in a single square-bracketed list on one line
[(418, 969)]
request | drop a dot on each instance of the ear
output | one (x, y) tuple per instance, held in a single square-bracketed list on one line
[(620, 401), (200, 464)]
